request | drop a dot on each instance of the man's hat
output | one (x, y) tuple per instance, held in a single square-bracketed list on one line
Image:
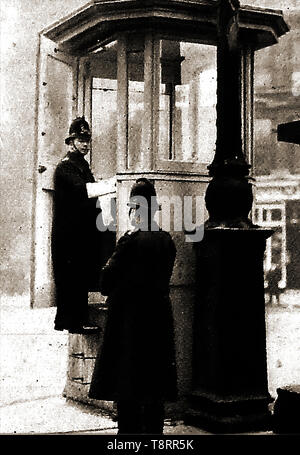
[(143, 188), (79, 129)]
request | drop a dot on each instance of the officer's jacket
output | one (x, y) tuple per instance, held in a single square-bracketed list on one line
[(76, 241), (137, 357)]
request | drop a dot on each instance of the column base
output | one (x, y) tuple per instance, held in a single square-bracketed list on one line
[(287, 410), (230, 382), (229, 414)]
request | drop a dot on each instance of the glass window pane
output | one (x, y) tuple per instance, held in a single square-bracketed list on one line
[(135, 103), (187, 105), (265, 214), (104, 127), (276, 215), (135, 121)]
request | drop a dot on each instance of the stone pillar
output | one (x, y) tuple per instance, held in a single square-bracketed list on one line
[(230, 389)]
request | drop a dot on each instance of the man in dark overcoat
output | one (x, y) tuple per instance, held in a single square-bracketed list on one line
[(135, 365), (273, 277), (76, 243)]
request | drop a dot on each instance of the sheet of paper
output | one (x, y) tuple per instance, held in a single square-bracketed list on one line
[(102, 187)]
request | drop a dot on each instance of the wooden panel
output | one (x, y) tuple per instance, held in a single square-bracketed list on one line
[(81, 369), (57, 87), (57, 104), (95, 21), (147, 157), (122, 148), (83, 350)]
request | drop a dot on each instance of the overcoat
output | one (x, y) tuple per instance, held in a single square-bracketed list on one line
[(137, 356), (273, 278), (76, 244)]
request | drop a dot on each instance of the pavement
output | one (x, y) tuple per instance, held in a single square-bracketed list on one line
[(56, 415), (34, 360)]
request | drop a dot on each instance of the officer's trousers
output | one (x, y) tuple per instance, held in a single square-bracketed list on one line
[(135, 417)]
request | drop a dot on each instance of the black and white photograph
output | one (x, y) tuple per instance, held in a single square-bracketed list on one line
[(150, 222)]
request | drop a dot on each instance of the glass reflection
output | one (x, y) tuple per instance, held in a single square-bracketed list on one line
[(187, 105)]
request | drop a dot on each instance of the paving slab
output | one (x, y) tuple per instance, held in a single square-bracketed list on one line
[(33, 370)]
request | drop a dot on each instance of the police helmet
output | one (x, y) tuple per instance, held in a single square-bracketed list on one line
[(143, 194), (79, 129)]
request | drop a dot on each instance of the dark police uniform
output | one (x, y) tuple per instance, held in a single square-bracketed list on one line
[(75, 241), (77, 246), (136, 363)]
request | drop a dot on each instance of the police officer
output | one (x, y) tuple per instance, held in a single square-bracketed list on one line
[(76, 242), (135, 366)]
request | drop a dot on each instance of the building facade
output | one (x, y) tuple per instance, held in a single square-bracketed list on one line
[(34, 110), (276, 94), (277, 206), (276, 164)]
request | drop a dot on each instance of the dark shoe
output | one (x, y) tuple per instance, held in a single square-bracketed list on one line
[(84, 330), (58, 327)]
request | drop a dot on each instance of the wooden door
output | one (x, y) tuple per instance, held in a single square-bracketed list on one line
[(57, 104)]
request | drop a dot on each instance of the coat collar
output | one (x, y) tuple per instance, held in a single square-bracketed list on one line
[(78, 160)]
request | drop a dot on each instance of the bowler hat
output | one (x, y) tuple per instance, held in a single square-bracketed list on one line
[(79, 129)]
